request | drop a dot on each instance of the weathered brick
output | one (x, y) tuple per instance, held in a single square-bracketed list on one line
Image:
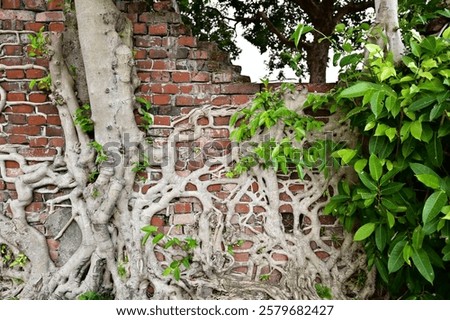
[(183, 100), (50, 16), (182, 207), (37, 97), (161, 99), (190, 187), (10, 4), (17, 119), (15, 96), (36, 120), (214, 187), (147, 41), (156, 53), (187, 41), (235, 88), (158, 29), (55, 5), (54, 120), (286, 208), (183, 219), (162, 120), (35, 73), (241, 256), (140, 54), (17, 139), (222, 77), (56, 27), (15, 74), (38, 142), (181, 76), (35, 5), (37, 152), (242, 208), (48, 109), (220, 100), (54, 131), (18, 15), (201, 76), (26, 130), (139, 28), (21, 109), (13, 50)]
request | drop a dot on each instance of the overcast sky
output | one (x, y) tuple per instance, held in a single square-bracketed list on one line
[(252, 63)]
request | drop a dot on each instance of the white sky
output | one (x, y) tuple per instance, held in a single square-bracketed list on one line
[(252, 63)]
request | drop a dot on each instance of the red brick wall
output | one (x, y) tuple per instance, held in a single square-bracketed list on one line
[(177, 73)]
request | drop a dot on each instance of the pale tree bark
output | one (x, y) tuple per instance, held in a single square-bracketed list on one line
[(387, 19)]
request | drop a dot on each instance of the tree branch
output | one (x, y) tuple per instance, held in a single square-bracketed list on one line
[(352, 8)]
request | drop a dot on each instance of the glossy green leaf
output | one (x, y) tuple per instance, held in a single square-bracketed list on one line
[(367, 181), (391, 219), (433, 206), (376, 103), (422, 103), (429, 180), (360, 165), (364, 231), (357, 90), (381, 268), (435, 151), (417, 238), (375, 167), (381, 237), (392, 188), (396, 261), (407, 252), (422, 262), (416, 129), (157, 238)]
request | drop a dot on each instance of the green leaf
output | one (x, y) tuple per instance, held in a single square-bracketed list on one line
[(381, 267), (407, 251), (435, 151), (437, 111), (357, 90), (360, 165), (422, 103), (345, 154), (367, 181), (176, 274), (429, 180), (387, 72), (422, 262), (376, 103), (391, 133), (433, 206), (381, 237), (158, 238), (145, 239), (396, 261), (149, 229), (301, 30), (167, 271), (417, 238), (375, 167), (364, 231), (419, 168), (416, 129), (392, 188)]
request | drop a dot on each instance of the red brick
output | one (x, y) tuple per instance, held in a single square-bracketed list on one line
[(190, 187), (146, 41), (157, 53), (240, 99), (38, 142), (53, 244), (285, 208), (56, 27), (15, 96), (26, 130), (50, 16), (242, 208), (157, 221), (35, 5), (17, 119), (37, 97), (33, 26), (35, 73), (158, 29), (139, 28), (11, 4), (2, 187), (186, 89), (161, 99), (239, 88), (201, 76), (217, 133), (145, 64), (221, 100), (198, 55), (54, 120), (34, 207), (55, 5), (15, 74), (322, 255), (241, 256), (11, 61), (54, 131), (17, 139), (48, 109), (22, 109), (181, 77), (163, 65), (36, 120), (222, 121), (185, 207), (279, 257), (37, 152), (258, 209), (13, 50), (170, 88), (184, 101), (203, 121), (222, 77), (327, 220), (214, 187), (140, 54), (162, 120), (187, 41), (160, 76)]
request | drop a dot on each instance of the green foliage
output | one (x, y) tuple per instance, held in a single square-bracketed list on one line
[(141, 166), (101, 155), (10, 260), (267, 111), (83, 118), (42, 84), (187, 245), (400, 205), (38, 44), (323, 291), (92, 295), (144, 110)]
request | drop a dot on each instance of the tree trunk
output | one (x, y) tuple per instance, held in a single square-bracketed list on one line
[(317, 61)]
